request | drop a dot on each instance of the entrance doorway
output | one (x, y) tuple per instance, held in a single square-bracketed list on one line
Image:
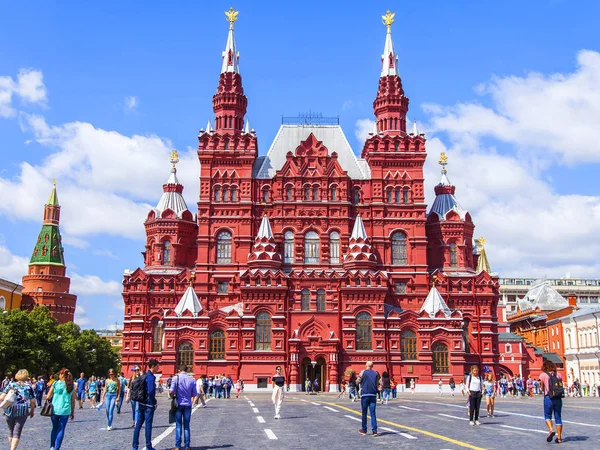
[(318, 372)]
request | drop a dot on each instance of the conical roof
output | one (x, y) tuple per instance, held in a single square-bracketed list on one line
[(434, 303), (53, 199), (189, 301)]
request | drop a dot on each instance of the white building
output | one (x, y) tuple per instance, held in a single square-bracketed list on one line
[(582, 348)]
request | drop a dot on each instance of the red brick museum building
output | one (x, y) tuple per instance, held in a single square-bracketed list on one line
[(311, 257)]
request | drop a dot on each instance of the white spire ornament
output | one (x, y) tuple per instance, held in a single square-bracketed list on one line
[(247, 129), (231, 57), (389, 59)]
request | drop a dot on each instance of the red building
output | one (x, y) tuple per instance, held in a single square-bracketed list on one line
[(310, 257), (46, 283)]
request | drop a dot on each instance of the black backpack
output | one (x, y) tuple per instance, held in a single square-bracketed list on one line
[(139, 389), (555, 386)]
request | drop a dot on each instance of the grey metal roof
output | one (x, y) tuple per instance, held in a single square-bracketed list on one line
[(553, 357), (544, 297), (289, 137), (189, 301), (582, 312), (512, 337), (435, 303), (444, 203)]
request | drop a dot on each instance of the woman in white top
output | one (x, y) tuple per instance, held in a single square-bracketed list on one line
[(474, 386)]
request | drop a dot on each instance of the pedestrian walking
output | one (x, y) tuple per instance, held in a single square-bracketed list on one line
[(368, 381), (144, 392), (412, 386), (40, 387), (452, 385), (23, 406), (474, 387), (440, 387), (121, 396), (316, 385), (352, 387), (552, 386), (81, 389), (386, 386), (490, 394), (136, 373), (183, 390), (62, 396), (307, 386), (92, 391), (112, 390), (200, 391), (342, 389), (394, 388), (278, 382), (238, 388)]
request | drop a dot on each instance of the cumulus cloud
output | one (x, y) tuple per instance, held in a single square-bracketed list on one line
[(131, 103), (81, 318), (29, 87), (93, 285), (12, 267), (362, 129)]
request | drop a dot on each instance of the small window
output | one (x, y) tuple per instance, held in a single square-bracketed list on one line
[(400, 288), (225, 194), (307, 193), (262, 382), (320, 300), (408, 345), (305, 300), (390, 195), (453, 255), (333, 193), (234, 194), (440, 358), (167, 252), (265, 195), (396, 145), (405, 195), (315, 193), (508, 348), (185, 355), (334, 248), (217, 194), (397, 196), (222, 287), (288, 193), (356, 196), (217, 345)]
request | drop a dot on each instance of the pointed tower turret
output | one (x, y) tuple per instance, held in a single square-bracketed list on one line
[(359, 255), (46, 283), (264, 253), (189, 302), (435, 303), (482, 261), (449, 228)]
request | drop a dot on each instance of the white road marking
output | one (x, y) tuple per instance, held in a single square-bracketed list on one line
[(452, 417), (260, 419), (302, 400), (270, 433), (408, 436), (249, 401), (408, 407), (353, 418), (524, 429), (169, 430), (330, 409), (252, 404), (315, 403), (255, 410)]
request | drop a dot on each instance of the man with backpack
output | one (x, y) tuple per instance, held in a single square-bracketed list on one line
[(368, 380), (552, 386), (143, 391)]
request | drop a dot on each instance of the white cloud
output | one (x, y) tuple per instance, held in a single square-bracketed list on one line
[(131, 103), (105, 252), (12, 267), (348, 104), (81, 318), (555, 113), (29, 87), (93, 285), (362, 129)]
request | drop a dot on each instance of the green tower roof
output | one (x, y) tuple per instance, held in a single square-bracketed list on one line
[(48, 248)]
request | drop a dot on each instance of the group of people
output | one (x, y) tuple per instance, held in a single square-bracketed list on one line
[(217, 387)]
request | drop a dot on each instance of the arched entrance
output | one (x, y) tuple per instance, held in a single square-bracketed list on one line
[(317, 372)]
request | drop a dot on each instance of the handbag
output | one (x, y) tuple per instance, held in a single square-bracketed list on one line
[(9, 399), (174, 404), (47, 409)]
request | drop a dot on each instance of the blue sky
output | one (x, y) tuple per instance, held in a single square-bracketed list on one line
[(509, 89)]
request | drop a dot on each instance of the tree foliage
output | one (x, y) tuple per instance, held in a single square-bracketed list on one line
[(37, 342)]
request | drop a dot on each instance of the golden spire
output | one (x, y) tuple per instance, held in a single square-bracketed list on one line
[(54, 181), (388, 20), (231, 16), (482, 263), (174, 158), (443, 161)]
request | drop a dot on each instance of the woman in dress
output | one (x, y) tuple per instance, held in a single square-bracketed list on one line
[(489, 386), (22, 407), (136, 373), (62, 396), (278, 381), (92, 391), (112, 390)]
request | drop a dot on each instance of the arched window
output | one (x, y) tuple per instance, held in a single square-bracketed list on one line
[(157, 335), (234, 194), (305, 300), (288, 193), (405, 195), (217, 194), (265, 195), (390, 195), (263, 331), (397, 195), (333, 193), (408, 345), (167, 252), (398, 248), (334, 248), (315, 191), (453, 256), (396, 146), (320, 300), (2, 302), (364, 331), (226, 146), (217, 345), (288, 247), (440, 358), (311, 248), (307, 193), (224, 248), (225, 194), (356, 196), (185, 355)]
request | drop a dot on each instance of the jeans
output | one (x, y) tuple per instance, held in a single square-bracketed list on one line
[(553, 405), (182, 417), (38, 397), (144, 414), (120, 401), (110, 400), (386, 394), (59, 423), (394, 392), (368, 403), (133, 408)]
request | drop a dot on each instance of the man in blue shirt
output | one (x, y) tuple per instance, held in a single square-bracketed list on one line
[(81, 388), (145, 411), (183, 387), (368, 381)]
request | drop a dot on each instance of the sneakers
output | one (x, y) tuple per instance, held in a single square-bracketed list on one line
[(471, 423), (277, 416), (375, 434), (362, 432), (108, 428), (477, 422)]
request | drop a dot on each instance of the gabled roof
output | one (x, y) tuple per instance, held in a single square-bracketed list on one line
[(189, 301), (544, 297), (289, 137), (434, 303)]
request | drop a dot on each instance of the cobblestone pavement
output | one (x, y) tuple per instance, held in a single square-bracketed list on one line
[(422, 421)]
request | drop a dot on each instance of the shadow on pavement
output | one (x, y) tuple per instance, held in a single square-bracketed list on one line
[(575, 438)]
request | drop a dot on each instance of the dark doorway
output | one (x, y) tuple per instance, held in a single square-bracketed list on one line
[(318, 372)]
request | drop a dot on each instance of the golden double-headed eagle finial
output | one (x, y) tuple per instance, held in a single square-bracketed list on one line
[(174, 157), (388, 20), (481, 241), (231, 16), (54, 181), (443, 161)]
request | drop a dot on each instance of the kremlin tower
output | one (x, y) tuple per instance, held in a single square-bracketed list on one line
[(46, 283)]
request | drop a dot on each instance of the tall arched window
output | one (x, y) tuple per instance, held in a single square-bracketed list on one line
[(397, 195), (225, 194), (288, 193), (453, 256), (356, 196), (265, 195), (224, 248), (234, 194), (217, 345), (307, 193), (320, 300), (263, 332), (2, 302), (405, 195), (408, 345), (398, 248), (288, 247), (364, 331), (157, 335), (334, 193), (185, 355), (305, 300), (217, 194), (440, 358), (311, 248), (390, 195), (334, 248), (167, 252), (315, 191)]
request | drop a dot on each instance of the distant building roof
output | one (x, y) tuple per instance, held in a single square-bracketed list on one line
[(582, 312), (544, 297), (510, 337), (553, 357)]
